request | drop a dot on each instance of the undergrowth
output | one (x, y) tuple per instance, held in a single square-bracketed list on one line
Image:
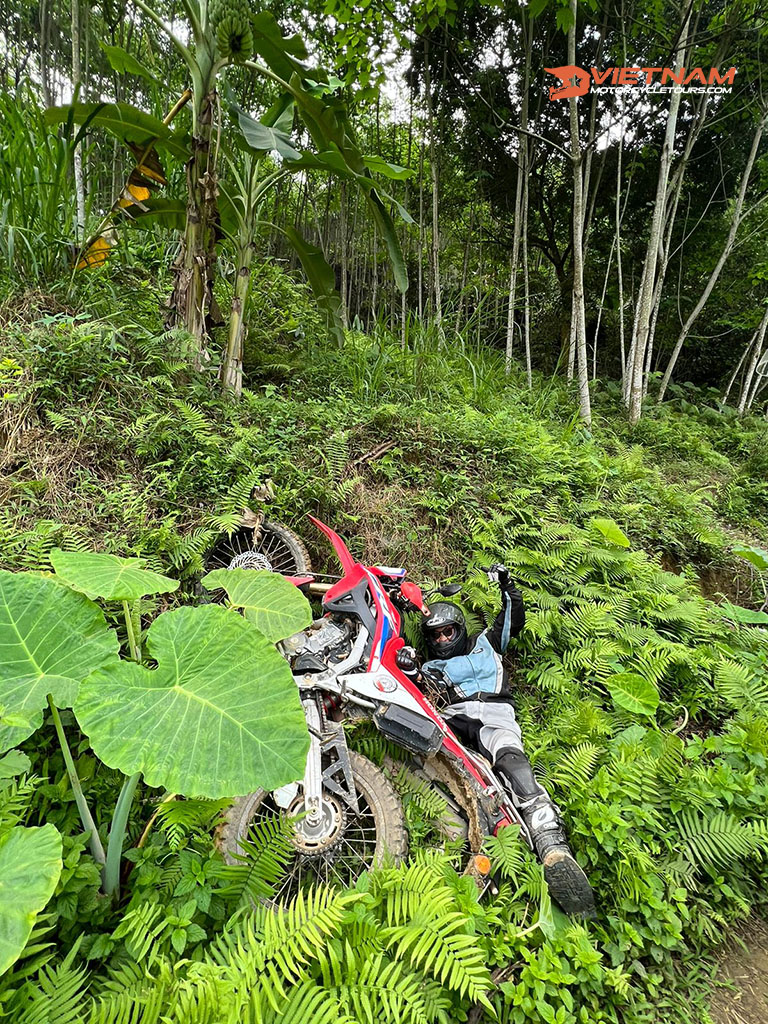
[(433, 458)]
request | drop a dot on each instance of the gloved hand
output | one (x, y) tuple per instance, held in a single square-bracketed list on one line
[(499, 573), (407, 661)]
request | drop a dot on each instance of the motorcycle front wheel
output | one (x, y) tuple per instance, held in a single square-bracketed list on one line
[(347, 845)]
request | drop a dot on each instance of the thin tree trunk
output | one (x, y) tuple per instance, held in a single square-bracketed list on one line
[(232, 367), (375, 273), (619, 271), (747, 396), (635, 371), (44, 36), (520, 190), (580, 328), (526, 291), (421, 232), (344, 269), (76, 87), (739, 365), (736, 218), (435, 175)]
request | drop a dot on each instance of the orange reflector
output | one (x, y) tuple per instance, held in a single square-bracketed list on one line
[(482, 864)]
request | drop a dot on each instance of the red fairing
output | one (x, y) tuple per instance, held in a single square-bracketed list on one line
[(348, 563)]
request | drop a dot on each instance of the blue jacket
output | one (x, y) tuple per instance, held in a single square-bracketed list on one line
[(480, 671)]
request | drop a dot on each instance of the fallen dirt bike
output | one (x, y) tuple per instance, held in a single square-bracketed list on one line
[(345, 814)]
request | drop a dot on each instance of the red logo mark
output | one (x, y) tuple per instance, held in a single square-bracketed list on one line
[(574, 82)]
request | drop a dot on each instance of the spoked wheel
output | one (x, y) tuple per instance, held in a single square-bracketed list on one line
[(341, 846), (270, 546)]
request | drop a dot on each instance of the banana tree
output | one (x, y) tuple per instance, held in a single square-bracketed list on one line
[(222, 33)]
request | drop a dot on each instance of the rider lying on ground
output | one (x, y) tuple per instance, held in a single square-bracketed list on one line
[(482, 714)]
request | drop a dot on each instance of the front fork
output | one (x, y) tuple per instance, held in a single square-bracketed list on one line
[(326, 739), (313, 772)]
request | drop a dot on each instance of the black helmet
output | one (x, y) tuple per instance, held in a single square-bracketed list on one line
[(445, 631)]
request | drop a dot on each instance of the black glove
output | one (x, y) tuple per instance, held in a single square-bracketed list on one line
[(407, 662), (499, 573)]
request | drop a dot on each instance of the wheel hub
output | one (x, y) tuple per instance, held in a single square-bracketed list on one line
[(250, 560), (317, 834)]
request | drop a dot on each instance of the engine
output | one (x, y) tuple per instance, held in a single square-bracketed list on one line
[(323, 644)]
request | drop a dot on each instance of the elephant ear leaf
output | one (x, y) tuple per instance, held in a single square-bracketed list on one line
[(268, 600), (109, 577), (30, 866), (633, 693), (51, 639), (612, 532), (322, 281), (757, 556), (220, 716)]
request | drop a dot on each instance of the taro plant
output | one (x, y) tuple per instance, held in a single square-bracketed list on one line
[(30, 860), (217, 715)]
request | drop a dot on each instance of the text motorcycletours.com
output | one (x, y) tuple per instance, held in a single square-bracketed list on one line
[(576, 81)]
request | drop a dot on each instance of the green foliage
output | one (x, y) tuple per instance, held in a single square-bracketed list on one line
[(108, 576), (662, 793), (219, 716), (52, 639), (271, 602), (30, 865)]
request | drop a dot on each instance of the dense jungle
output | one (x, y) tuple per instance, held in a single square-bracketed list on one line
[(449, 277)]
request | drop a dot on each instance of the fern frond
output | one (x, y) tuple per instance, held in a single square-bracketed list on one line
[(57, 996), (507, 852), (408, 887), (417, 791), (720, 840), (178, 819), (440, 946), (262, 862), (575, 768)]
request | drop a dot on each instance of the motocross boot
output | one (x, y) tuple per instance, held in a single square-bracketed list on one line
[(567, 883)]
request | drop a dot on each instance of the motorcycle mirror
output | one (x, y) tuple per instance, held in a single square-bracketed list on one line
[(450, 589)]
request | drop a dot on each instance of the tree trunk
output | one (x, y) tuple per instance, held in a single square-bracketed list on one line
[(421, 232), (192, 298), (736, 218), (76, 87), (635, 371), (579, 328), (619, 270), (435, 175), (747, 394), (526, 291), (232, 367), (44, 68), (735, 374)]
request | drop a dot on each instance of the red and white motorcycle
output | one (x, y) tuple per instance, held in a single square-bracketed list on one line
[(346, 814)]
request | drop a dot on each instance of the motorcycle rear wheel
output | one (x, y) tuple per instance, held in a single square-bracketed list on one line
[(281, 547), (374, 836)]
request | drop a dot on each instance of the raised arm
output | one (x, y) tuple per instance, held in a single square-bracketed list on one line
[(511, 619)]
